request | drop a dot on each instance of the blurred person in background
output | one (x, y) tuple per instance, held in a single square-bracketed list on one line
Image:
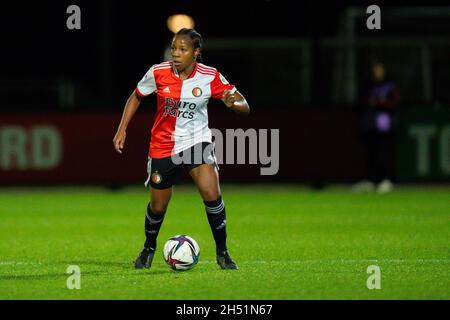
[(380, 99)]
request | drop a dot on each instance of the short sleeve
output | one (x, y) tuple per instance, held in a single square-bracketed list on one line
[(219, 85), (147, 85)]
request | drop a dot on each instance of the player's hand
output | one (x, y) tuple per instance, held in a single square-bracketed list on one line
[(119, 141), (229, 98)]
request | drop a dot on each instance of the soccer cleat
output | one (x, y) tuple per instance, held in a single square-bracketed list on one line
[(225, 262), (145, 258)]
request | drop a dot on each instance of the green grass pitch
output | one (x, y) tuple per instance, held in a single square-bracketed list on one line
[(290, 242)]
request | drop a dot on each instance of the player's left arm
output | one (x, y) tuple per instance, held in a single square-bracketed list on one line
[(236, 102)]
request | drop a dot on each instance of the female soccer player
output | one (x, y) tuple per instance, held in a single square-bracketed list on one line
[(180, 136)]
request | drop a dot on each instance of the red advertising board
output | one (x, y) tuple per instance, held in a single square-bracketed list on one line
[(77, 148)]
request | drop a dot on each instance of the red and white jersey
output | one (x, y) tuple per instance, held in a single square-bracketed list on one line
[(181, 118)]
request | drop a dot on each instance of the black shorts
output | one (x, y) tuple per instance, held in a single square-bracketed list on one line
[(163, 173)]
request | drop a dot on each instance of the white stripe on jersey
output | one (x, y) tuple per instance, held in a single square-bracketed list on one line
[(202, 66), (163, 65), (207, 73), (162, 68)]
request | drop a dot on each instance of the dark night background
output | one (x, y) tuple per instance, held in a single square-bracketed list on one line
[(119, 40)]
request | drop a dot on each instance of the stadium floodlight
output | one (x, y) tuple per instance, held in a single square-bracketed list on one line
[(179, 21)]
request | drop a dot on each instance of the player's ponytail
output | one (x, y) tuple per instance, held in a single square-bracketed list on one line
[(196, 38)]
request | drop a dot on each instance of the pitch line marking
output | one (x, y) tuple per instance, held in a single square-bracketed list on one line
[(6, 263), (342, 261)]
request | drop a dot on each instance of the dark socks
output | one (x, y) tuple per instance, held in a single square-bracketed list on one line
[(153, 223), (215, 211)]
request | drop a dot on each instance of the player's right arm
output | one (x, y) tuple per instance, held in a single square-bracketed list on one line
[(131, 106), (146, 86)]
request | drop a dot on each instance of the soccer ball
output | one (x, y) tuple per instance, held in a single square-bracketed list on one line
[(181, 252)]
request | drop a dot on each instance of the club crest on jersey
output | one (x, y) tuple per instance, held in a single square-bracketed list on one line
[(197, 92), (156, 177)]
